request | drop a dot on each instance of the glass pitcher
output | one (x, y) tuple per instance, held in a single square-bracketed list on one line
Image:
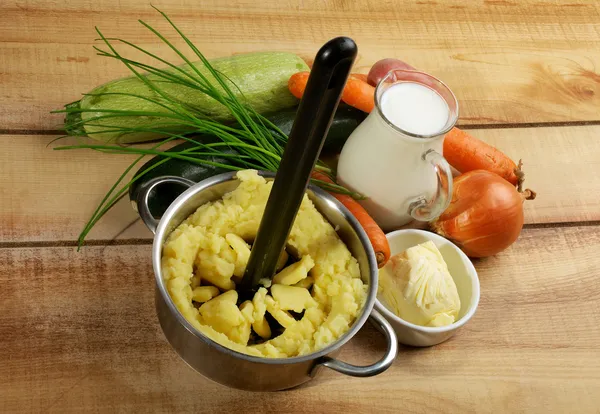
[(402, 173)]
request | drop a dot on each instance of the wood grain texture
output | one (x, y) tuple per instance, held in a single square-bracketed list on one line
[(562, 164), (78, 331), (49, 195), (507, 61), (79, 334)]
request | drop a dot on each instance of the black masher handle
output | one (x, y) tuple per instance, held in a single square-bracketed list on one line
[(327, 78)]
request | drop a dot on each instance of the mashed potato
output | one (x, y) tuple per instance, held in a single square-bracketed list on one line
[(210, 249)]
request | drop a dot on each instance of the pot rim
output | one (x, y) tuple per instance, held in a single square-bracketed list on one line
[(318, 193)]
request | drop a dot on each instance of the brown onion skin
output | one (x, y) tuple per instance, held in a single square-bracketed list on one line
[(485, 215)]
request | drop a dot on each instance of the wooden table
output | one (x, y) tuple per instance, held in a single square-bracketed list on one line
[(78, 332)]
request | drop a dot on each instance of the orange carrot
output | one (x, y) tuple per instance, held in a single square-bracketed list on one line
[(297, 83), (357, 92), (467, 153), (374, 232)]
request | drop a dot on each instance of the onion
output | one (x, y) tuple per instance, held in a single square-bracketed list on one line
[(485, 215)]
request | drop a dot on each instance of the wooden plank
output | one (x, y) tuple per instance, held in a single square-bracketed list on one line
[(79, 333), (562, 164), (508, 61), (49, 195)]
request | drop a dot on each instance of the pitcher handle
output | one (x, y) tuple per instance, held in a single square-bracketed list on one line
[(143, 208), (384, 363), (424, 209)]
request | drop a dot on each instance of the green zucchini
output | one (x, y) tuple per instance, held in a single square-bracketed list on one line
[(345, 121), (261, 76)]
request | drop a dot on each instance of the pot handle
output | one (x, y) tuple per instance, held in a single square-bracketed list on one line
[(377, 368), (145, 190)]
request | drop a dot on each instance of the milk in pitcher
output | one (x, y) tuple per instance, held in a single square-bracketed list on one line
[(394, 156)]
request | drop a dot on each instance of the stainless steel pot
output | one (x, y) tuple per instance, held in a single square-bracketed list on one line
[(239, 370)]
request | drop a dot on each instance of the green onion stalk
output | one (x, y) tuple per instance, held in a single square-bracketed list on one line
[(258, 143)]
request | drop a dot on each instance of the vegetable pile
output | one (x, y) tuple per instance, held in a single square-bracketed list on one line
[(189, 102), (234, 113), (485, 215)]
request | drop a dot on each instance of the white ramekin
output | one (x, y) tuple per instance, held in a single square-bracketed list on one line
[(464, 274)]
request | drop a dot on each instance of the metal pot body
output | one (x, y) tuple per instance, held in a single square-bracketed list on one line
[(235, 369)]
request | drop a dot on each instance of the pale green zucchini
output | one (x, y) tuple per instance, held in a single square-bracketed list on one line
[(262, 77)]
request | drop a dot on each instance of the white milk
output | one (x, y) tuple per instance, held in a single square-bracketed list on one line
[(387, 165), (415, 108)]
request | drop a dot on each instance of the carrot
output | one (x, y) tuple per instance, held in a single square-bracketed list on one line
[(297, 83), (357, 92), (374, 232), (467, 153)]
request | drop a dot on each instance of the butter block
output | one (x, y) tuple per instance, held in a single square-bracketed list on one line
[(417, 286)]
